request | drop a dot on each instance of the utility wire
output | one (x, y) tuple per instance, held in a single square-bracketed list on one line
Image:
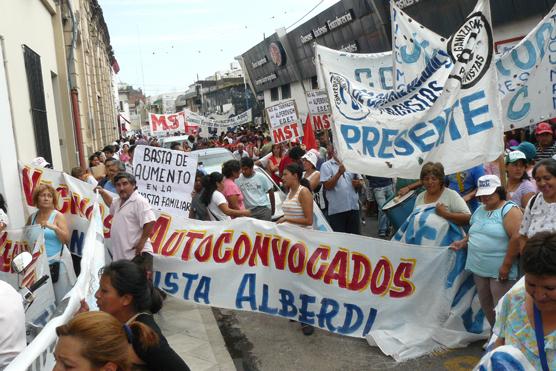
[(306, 14)]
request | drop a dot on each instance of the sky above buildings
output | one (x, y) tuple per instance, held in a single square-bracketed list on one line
[(163, 45)]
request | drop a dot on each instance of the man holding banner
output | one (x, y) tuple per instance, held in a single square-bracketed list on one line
[(132, 222)]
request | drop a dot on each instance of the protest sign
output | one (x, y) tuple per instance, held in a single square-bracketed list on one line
[(165, 178), (449, 114), (346, 284), (283, 122), (527, 76), (162, 124), (318, 103)]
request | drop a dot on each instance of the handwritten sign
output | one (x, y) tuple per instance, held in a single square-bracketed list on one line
[(165, 178)]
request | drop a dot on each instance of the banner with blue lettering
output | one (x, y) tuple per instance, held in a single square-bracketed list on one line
[(527, 76), (347, 284), (450, 113)]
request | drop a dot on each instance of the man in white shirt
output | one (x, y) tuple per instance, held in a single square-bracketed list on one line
[(132, 222), (240, 152), (12, 322)]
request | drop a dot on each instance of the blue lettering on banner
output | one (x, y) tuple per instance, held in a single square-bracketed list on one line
[(384, 143), (516, 113), (76, 242), (170, 282)]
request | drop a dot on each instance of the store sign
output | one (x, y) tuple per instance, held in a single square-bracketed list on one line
[(330, 25), (259, 62), (266, 79)]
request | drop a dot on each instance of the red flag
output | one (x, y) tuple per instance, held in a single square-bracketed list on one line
[(309, 135)]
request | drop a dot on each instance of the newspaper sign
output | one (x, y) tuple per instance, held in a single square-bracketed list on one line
[(318, 103), (283, 122), (165, 178)]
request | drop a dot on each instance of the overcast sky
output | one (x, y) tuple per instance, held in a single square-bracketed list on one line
[(161, 45)]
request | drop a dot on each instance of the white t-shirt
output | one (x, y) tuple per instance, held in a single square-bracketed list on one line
[(453, 201), (12, 323), (214, 211), (539, 218)]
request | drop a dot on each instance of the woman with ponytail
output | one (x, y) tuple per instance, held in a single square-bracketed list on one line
[(98, 341), (214, 199), (127, 294)]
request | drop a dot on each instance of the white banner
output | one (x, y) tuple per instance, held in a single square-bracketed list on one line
[(448, 114), (165, 178), (283, 122), (194, 119), (39, 354), (318, 103), (527, 76), (346, 284)]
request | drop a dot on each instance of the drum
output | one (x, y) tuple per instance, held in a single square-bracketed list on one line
[(399, 208)]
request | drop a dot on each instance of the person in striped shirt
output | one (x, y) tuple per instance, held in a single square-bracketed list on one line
[(545, 141)]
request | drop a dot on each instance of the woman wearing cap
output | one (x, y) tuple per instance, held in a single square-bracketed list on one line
[(310, 170), (530, 153), (520, 188), (493, 225)]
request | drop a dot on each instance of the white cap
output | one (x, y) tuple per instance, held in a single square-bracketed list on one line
[(40, 162), (487, 184), (311, 157), (513, 156)]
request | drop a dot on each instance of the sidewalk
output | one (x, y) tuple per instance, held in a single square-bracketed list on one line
[(193, 333)]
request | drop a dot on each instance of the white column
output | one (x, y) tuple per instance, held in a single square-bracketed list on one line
[(10, 185)]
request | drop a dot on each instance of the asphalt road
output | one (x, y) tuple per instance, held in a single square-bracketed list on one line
[(261, 342)]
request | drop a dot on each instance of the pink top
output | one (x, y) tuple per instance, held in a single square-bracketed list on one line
[(231, 189), (127, 225)]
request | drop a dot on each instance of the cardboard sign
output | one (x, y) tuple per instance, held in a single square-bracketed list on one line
[(283, 122), (165, 178), (318, 103)]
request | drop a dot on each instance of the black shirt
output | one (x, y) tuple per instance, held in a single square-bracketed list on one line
[(160, 357)]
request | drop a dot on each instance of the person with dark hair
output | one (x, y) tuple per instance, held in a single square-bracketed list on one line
[(257, 189), (520, 188), (110, 152), (4, 220), (132, 220), (341, 189), (540, 213), (298, 208), (126, 293), (449, 204), (274, 161), (546, 148), (294, 155), (97, 341), (526, 318), (83, 175), (176, 146), (198, 210), (214, 199), (493, 225), (231, 170), (113, 167)]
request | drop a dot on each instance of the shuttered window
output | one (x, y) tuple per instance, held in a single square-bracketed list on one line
[(38, 104)]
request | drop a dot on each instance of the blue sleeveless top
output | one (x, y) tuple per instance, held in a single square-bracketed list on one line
[(51, 241)]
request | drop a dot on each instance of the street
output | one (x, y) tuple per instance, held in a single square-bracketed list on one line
[(261, 342)]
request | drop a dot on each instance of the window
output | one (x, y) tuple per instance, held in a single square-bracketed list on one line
[(286, 91), (314, 83), (274, 94), (38, 105)]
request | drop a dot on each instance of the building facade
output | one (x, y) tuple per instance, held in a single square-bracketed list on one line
[(283, 67), (56, 56)]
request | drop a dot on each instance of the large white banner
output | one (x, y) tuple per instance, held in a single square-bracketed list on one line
[(399, 297), (165, 178), (449, 113), (527, 76)]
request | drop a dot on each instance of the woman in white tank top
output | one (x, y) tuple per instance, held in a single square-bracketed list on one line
[(298, 205)]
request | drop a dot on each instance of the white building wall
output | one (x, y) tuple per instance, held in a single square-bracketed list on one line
[(16, 18)]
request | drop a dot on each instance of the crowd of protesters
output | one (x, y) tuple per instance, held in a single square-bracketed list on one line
[(507, 209)]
